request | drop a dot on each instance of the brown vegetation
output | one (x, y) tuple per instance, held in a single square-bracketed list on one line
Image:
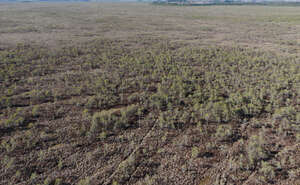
[(144, 94)]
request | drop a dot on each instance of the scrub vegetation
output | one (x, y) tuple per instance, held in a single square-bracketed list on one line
[(113, 101)]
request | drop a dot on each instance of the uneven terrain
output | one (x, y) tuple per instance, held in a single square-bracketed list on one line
[(134, 93)]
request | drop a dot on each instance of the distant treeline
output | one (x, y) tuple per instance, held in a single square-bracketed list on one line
[(183, 2), (225, 2)]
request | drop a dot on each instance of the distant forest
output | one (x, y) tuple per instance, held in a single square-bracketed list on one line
[(183, 2), (230, 1)]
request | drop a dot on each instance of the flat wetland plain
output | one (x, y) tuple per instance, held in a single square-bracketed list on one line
[(135, 93)]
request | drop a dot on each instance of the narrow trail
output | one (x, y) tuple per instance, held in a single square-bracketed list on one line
[(148, 134), (249, 178)]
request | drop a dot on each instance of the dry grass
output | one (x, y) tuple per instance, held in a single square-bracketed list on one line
[(132, 93), (272, 28)]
